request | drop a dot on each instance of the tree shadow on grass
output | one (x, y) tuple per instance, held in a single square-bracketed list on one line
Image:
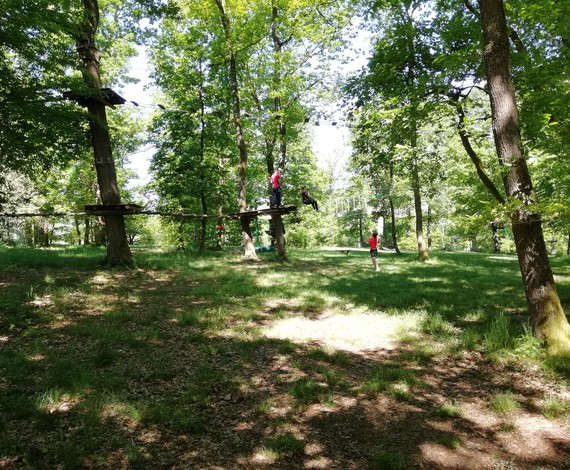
[(227, 403), (450, 286), (142, 372)]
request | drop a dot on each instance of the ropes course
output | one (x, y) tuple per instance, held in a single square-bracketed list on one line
[(134, 209), (345, 205)]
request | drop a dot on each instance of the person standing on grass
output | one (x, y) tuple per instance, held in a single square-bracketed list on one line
[(374, 250), (276, 185)]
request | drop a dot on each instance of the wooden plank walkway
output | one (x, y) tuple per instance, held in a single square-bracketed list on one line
[(257, 212)]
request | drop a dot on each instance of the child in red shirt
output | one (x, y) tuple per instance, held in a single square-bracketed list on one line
[(374, 250)]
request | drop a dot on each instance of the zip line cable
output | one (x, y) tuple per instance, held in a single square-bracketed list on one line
[(159, 106)]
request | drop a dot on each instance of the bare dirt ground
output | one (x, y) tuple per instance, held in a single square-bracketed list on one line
[(346, 433)]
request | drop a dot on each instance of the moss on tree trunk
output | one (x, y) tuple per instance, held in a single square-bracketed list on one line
[(546, 313)]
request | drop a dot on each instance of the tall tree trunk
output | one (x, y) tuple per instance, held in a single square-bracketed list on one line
[(496, 240), (203, 224), (473, 246), (422, 246), (278, 44), (249, 245), (428, 230), (219, 231), (546, 313), (393, 211), (277, 223), (270, 139), (181, 243), (118, 250), (203, 200), (77, 222), (45, 231), (87, 232)]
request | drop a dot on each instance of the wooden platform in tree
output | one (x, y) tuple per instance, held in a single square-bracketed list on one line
[(104, 95), (257, 212), (113, 209)]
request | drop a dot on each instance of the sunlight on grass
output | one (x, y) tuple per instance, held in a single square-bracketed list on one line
[(449, 442), (265, 407), (500, 464), (55, 400), (504, 403), (449, 410), (247, 334), (270, 279), (331, 376), (554, 408), (507, 427), (308, 391), (390, 378), (469, 340), (278, 306), (498, 336), (408, 324), (80, 257), (130, 368), (313, 303), (475, 316), (354, 333), (436, 325), (284, 444), (399, 391), (267, 455), (528, 346), (117, 408)]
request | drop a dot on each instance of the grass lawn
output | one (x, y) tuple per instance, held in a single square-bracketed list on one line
[(209, 362)]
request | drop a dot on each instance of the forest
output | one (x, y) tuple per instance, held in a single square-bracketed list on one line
[(454, 117), (456, 123), (238, 89)]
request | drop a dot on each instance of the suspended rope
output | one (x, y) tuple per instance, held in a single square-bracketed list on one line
[(131, 210)]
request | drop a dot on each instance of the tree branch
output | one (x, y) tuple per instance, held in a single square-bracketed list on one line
[(471, 152), (513, 35), (472, 8)]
